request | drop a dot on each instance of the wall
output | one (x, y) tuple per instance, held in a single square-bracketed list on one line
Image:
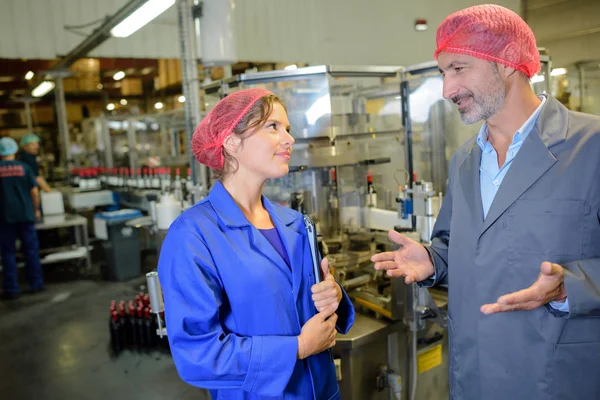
[(317, 31), (569, 29), (35, 29)]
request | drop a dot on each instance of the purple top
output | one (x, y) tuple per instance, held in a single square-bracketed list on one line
[(273, 237)]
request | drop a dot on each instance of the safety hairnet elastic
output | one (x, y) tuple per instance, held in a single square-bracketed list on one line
[(219, 123), (492, 33), (8, 146), (29, 138)]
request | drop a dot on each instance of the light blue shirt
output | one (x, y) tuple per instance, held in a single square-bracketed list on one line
[(491, 176)]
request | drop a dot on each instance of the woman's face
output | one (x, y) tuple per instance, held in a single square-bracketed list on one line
[(265, 152)]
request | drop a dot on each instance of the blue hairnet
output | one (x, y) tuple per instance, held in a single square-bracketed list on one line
[(8, 146), (29, 138)]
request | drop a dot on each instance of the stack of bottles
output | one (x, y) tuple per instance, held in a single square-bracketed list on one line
[(128, 178), (133, 326)]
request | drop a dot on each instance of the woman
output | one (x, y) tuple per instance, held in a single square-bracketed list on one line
[(245, 318)]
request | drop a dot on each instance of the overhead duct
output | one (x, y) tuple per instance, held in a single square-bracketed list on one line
[(217, 32)]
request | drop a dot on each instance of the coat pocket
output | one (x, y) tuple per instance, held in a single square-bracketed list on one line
[(576, 371), (548, 227)]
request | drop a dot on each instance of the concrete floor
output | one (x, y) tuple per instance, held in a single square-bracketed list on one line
[(56, 345)]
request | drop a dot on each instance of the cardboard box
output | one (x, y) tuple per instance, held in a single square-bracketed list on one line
[(132, 87), (163, 77)]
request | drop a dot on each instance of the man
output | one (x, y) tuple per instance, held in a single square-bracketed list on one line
[(30, 145), (517, 239), (19, 208)]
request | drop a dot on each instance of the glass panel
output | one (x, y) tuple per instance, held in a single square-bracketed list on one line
[(438, 130)]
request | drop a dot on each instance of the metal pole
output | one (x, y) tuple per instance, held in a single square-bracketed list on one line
[(406, 121), (63, 128), (132, 143), (28, 115), (189, 81), (105, 134), (581, 86)]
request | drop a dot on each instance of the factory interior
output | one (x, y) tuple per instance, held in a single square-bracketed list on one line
[(113, 92)]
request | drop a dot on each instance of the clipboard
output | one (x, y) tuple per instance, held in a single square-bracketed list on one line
[(314, 250)]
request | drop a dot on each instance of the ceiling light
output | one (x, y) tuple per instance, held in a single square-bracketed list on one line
[(181, 99), (42, 89), (558, 71), (123, 102), (140, 17), (291, 67), (29, 75), (147, 70), (158, 105), (110, 106), (119, 75)]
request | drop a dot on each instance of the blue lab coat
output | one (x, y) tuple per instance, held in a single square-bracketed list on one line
[(233, 307)]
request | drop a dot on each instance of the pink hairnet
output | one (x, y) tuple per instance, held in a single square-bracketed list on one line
[(487, 30), (219, 123)]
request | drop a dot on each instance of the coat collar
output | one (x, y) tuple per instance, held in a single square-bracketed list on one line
[(533, 160), (232, 216), (288, 223)]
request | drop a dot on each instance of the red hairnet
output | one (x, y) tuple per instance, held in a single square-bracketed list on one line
[(485, 32), (219, 123)]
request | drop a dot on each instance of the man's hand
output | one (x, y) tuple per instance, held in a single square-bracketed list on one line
[(411, 260), (548, 287), (328, 292), (38, 215)]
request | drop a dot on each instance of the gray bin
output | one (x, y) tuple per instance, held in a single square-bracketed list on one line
[(121, 251)]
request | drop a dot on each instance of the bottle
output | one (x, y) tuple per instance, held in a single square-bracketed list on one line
[(141, 332), (132, 325), (140, 179), (147, 178), (115, 333), (155, 179), (150, 335), (371, 193), (177, 187)]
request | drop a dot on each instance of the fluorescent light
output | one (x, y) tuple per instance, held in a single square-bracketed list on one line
[(140, 17), (119, 75), (110, 106), (42, 89), (558, 71), (29, 75), (158, 105), (537, 78), (421, 27), (181, 99), (291, 67), (123, 102)]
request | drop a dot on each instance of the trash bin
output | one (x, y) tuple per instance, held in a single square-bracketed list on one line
[(120, 244)]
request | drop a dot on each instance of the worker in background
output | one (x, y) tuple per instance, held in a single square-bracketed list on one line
[(517, 238), (245, 316), (19, 209), (30, 148)]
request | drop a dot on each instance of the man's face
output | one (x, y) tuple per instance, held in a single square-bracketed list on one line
[(474, 85), (32, 148)]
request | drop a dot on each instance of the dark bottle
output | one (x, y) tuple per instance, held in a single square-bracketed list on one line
[(150, 334), (116, 337), (141, 333), (132, 325)]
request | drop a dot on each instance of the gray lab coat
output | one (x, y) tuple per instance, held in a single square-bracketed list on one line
[(546, 209)]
